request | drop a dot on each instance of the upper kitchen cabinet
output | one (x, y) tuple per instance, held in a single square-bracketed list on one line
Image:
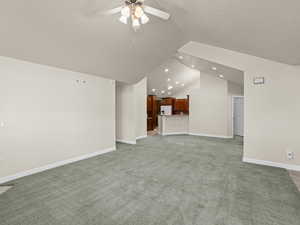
[(181, 106), (168, 101)]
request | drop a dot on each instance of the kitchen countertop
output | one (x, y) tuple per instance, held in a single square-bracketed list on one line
[(176, 115)]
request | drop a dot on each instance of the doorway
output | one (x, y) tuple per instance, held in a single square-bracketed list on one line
[(238, 116)]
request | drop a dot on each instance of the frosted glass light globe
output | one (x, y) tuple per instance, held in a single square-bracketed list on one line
[(125, 12)]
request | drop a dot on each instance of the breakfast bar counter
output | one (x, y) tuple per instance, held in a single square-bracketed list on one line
[(173, 124)]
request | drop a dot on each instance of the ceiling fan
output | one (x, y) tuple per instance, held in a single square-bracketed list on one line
[(136, 11)]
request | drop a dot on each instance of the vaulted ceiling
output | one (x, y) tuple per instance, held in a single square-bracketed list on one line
[(70, 34), (171, 73)]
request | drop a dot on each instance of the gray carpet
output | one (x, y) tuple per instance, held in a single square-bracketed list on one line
[(176, 180), (4, 189)]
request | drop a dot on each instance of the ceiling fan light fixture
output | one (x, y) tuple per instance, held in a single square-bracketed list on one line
[(135, 23), (138, 11), (135, 11), (125, 11), (144, 19), (123, 19)]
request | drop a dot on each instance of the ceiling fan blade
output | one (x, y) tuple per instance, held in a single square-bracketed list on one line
[(112, 11), (156, 12)]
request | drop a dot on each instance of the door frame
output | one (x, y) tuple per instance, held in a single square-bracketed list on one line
[(232, 112)]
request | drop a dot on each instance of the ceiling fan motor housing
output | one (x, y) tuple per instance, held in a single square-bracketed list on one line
[(129, 2)]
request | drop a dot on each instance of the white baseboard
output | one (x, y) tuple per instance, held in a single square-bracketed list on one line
[(210, 135), (54, 165), (141, 137), (273, 164), (127, 142), (173, 133)]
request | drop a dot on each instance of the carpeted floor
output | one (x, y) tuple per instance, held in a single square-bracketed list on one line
[(4, 189), (175, 180), (295, 175)]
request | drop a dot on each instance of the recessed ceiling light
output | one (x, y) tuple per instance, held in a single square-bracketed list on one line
[(169, 93), (180, 57), (214, 68), (166, 70), (170, 88), (182, 85), (162, 92), (193, 66), (169, 79), (221, 76), (177, 82), (153, 90)]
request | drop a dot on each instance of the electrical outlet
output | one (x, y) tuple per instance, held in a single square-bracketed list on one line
[(290, 155)]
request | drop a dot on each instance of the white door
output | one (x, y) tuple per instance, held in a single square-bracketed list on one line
[(238, 116)]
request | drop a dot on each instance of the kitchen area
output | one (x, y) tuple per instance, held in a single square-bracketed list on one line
[(167, 116), (169, 89)]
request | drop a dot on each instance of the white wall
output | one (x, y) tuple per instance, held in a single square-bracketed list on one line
[(271, 111), (233, 90), (141, 108), (209, 107), (48, 116), (125, 113)]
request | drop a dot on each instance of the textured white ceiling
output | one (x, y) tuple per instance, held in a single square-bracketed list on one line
[(185, 70), (230, 74), (69, 34), (177, 72)]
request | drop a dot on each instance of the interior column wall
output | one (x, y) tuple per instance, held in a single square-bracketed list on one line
[(141, 108), (209, 107), (125, 113)]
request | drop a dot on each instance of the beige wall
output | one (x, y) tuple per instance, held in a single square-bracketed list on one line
[(271, 111), (209, 107), (141, 108), (125, 113), (48, 116)]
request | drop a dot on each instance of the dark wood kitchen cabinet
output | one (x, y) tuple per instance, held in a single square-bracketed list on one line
[(168, 101), (181, 106), (151, 112)]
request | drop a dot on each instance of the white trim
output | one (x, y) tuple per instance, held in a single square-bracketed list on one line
[(173, 133), (141, 137), (127, 142), (273, 164), (54, 165), (211, 135)]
